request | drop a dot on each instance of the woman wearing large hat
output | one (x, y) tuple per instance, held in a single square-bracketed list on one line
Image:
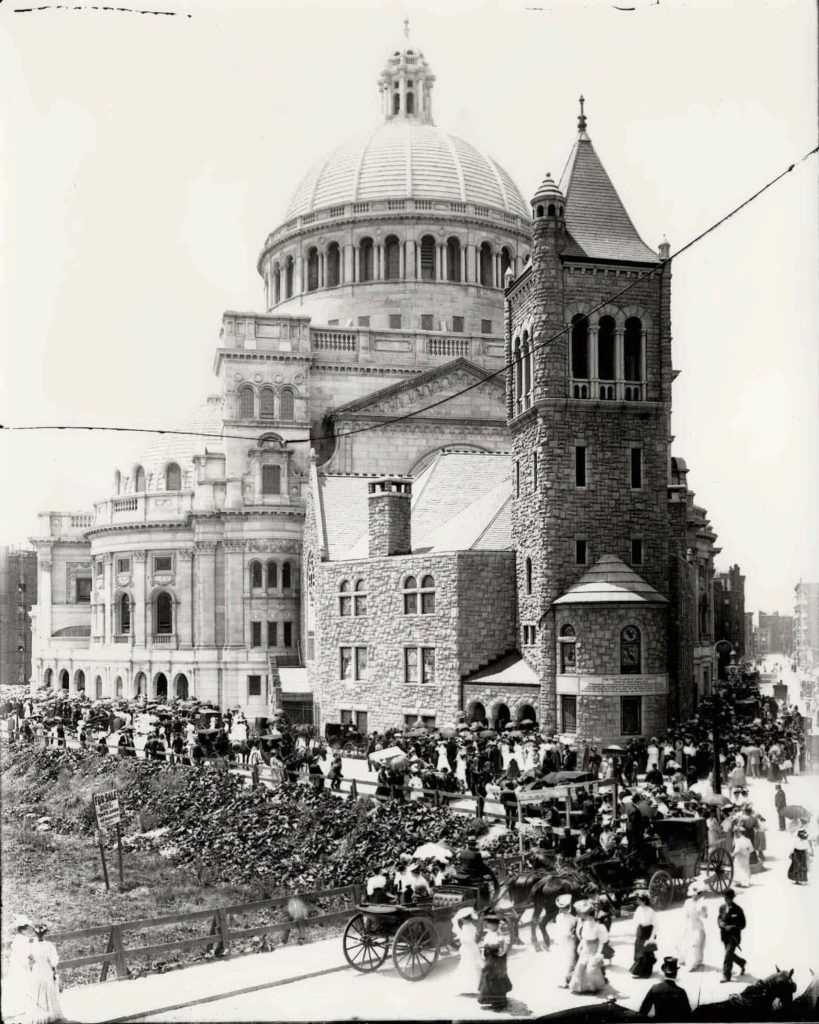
[(695, 913), (798, 870), (45, 989), (588, 973), (565, 935), (17, 978), (494, 984)]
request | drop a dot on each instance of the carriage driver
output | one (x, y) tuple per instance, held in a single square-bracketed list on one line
[(473, 869)]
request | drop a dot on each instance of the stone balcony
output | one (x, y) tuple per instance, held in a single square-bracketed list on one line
[(70, 526), (608, 390), (142, 508)]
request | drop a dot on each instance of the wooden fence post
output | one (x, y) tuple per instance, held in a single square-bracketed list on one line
[(353, 790), (109, 949), (119, 949), (224, 929)]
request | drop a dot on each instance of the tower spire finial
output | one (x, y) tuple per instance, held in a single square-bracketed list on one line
[(406, 26), (581, 121)]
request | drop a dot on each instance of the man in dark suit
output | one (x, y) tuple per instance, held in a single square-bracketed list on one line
[(780, 802), (731, 920), (666, 998)]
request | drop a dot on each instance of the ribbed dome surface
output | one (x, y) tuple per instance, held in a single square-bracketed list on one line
[(406, 159), (181, 448)]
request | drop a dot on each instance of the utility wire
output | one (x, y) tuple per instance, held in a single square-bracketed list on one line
[(470, 387)]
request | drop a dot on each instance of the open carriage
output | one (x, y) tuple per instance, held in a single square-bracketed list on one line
[(413, 934)]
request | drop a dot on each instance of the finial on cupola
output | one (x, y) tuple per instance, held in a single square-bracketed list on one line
[(581, 121), (406, 26), (664, 249)]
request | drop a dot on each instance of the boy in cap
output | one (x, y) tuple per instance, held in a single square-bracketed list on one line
[(666, 998)]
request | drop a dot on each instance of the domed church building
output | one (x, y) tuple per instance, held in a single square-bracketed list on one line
[(383, 293)]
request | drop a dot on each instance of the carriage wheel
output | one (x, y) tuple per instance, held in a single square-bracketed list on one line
[(661, 889), (720, 868), (415, 949), (365, 950)]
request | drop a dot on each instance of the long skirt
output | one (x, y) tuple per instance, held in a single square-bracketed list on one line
[(588, 974), (494, 983), (693, 946), (798, 871), (641, 938), (742, 869), (45, 996), (565, 954)]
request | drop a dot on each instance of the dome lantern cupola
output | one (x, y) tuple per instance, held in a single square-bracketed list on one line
[(548, 201), (406, 83)]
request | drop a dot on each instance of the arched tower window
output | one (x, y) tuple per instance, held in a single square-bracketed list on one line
[(453, 259), (163, 613), (506, 262), (410, 103), (333, 277), (255, 575), (392, 258), (396, 102), (288, 278), (517, 373), (287, 405), (526, 367), (247, 403), (528, 570), (287, 576), (277, 283), (605, 348), (580, 347), (568, 649), (267, 404), (633, 349), (272, 575), (139, 479), (630, 650), (345, 600), (427, 258), (312, 269), (485, 265), (365, 259), (173, 478)]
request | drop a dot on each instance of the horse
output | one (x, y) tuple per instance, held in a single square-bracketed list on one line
[(803, 1008), (756, 1002), (539, 890)]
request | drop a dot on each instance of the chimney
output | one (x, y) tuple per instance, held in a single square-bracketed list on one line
[(390, 498)]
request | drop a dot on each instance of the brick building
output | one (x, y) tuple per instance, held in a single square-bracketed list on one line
[(18, 592), (729, 616), (806, 626), (775, 633)]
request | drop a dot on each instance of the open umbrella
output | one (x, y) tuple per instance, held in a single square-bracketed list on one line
[(485, 733), (528, 721), (509, 725), (448, 732), (416, 733), (476, 727), (432, 851), (716, 800)]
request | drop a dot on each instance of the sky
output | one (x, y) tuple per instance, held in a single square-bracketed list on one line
[(147, 157)]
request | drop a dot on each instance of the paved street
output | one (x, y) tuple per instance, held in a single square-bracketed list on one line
[(781, 918)]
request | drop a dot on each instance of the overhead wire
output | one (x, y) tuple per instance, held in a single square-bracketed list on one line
[(485, 379)]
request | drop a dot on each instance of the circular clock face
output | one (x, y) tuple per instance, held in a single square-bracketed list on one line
[(630, 634)]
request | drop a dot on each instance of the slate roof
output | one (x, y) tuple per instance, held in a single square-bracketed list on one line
[(461, 501), (610, 581), (596, 219)]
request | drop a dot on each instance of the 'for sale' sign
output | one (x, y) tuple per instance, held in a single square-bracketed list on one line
[(107, 807)]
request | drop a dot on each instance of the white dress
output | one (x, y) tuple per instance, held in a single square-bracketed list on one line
[(693, 943), (443, 760), (460, 767), (45, 990), (468, 972), (743, 848), (17, 978), (416, 786), (587, 975), (565, 947)]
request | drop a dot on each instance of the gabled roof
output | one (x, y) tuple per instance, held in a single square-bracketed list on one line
[(610, 581), (596, 219), (460, 365), (510, 670)]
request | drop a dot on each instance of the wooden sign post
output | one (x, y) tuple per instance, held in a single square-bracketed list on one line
[(107, 809)]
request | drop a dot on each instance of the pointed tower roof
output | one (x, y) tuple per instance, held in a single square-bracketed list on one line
[(610, 581), (595, 216)]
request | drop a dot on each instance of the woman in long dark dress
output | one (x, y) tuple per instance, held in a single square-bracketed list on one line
[(494, 983), (798, 871)]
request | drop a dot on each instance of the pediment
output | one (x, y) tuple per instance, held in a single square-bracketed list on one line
[(416, 393)]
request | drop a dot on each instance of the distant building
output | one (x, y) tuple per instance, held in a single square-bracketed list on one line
[(806, 626), (729, 614), (750, 636), (18, 592), (775, 633)]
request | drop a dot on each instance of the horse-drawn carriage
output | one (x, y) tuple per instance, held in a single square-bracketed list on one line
[(678, 853), (414, 934)]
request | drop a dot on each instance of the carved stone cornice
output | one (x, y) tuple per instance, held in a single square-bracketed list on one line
[(205, 547), (44, 564), (185, 554), (234, 545)]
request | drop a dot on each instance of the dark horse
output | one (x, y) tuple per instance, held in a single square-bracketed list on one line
[(539, 889), (762, 1001)]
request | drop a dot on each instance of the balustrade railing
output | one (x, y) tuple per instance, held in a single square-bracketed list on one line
[(607, 390), (448, 347), (164, 639), (334, 341), (122, 638), (124, 504), (82, 522)]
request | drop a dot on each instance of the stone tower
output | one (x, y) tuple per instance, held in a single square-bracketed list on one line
[(589, 404)]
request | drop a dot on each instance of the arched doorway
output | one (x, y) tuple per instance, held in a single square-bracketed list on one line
[(181, 686), (526, 713), (476, 712), (48, 678), (161, 686), (118, 686), (502, 716), (98, 687), (79, 680), (64, 684)]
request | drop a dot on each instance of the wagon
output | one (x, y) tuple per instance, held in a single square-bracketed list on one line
[(413, 934)]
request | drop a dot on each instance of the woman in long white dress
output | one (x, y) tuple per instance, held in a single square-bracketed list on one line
[(45, 989), (17, 978), (743, 848), (693, 943), (443, 760), (460, 767), (416, 785), (467, 975), (588, 975), (565, 939)]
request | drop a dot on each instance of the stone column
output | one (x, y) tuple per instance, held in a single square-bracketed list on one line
[(140, 609), (379, 261), (619, 362), (439, 262), (298, 275), (463, 262), (205, 602), (593, 357), (470, 264), (234, 593), (184, 590), (402, 260), (356, 263), (44, 627), (107, 591), (411, 271), (348, 273)]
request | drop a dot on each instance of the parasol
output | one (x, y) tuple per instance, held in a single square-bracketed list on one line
[(448, 731), (515, 734), (415, 734), (716, 800), (387, 754), (560, 778), (614, 748), (400, 764), (528, 721), (509, 725), (432, 851), (484, 733), (476, 727)]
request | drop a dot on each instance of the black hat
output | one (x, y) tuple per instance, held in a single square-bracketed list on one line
[(491, 919), (670, 966), (729, 894)]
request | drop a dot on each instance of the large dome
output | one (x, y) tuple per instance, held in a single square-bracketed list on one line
[(406, 159)]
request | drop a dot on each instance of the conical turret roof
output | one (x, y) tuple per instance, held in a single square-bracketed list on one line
[(610, 581)]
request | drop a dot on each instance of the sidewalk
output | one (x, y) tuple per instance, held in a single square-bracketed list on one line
[(214, 979)]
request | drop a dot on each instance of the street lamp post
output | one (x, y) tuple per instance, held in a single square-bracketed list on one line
[(717, 707)]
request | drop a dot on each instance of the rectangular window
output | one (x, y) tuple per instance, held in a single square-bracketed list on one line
[(458, 324), (568, 713), (395, 321), (332, 323), (255, 634), (636, 551), (631, 716), (363, 321), (346, 717), (287, 631), (581, 551), (271, 479), (99, 568), (346, 662), (272, 634), (427, 664), (123, 565), (529, 635), (534, 470), (254, 686), (580, 465), (361, 662), (517, 479), (486, 326), (427, 322), (411, 665), (163, 563), (568, 656), (636, 468), (83, 589), (361, 722)]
